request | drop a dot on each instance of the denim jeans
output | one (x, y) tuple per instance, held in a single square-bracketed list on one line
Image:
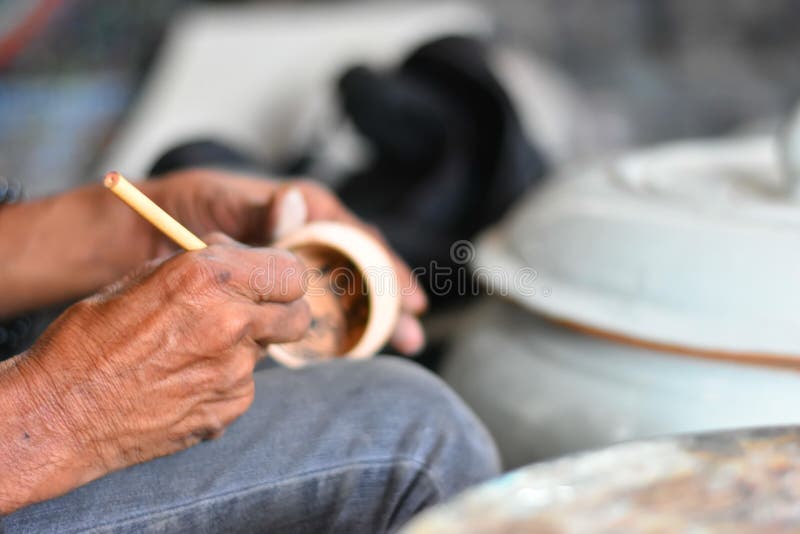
[(338, 447)]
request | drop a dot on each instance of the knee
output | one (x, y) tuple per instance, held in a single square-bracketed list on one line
[(427, 423)]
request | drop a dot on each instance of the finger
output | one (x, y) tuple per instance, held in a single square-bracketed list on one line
[(299, 201), (322, 205), (256, 274), (228, 411), (413, 298), (409, 336), (412, 295), (211, 199), (288, 212), (280, 323), (209, 420), (234, 368), (218, 238)]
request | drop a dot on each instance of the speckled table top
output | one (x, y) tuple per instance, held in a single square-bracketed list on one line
[(741, 481)]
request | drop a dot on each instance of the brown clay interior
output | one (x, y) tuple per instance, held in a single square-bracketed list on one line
[(337, 297)]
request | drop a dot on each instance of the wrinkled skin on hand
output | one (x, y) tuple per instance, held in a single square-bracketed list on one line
[(164, 359), (253, 210)]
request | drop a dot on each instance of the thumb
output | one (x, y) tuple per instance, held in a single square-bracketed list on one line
[(218, 238), (288, 212)]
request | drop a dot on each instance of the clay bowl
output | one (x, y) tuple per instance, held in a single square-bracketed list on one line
[(352, 290)]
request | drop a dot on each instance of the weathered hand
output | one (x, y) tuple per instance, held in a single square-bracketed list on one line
[(161, 361), (257, 211)]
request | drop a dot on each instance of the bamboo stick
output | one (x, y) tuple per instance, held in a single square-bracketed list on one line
[(148, 209)]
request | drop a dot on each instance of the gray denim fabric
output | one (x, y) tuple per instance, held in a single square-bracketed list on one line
[(338, 447)]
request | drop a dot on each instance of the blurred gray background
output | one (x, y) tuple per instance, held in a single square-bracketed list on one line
[(673, 68)]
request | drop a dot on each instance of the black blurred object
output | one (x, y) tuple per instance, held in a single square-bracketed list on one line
[(10, 191), (15, 336), (202, 153), (18, 333), (13, 332), (451, 154)]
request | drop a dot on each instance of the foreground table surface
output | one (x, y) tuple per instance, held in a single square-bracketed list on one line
[(740, 481)]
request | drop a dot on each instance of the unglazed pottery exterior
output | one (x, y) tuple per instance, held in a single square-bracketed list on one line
[(351, 289), (545, 390), (790, 153), (691, 246), (664, 302)]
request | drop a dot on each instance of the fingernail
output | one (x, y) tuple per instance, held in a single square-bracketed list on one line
[(292, 213)]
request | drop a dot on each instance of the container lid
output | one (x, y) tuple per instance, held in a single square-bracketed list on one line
[(694, 245)]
